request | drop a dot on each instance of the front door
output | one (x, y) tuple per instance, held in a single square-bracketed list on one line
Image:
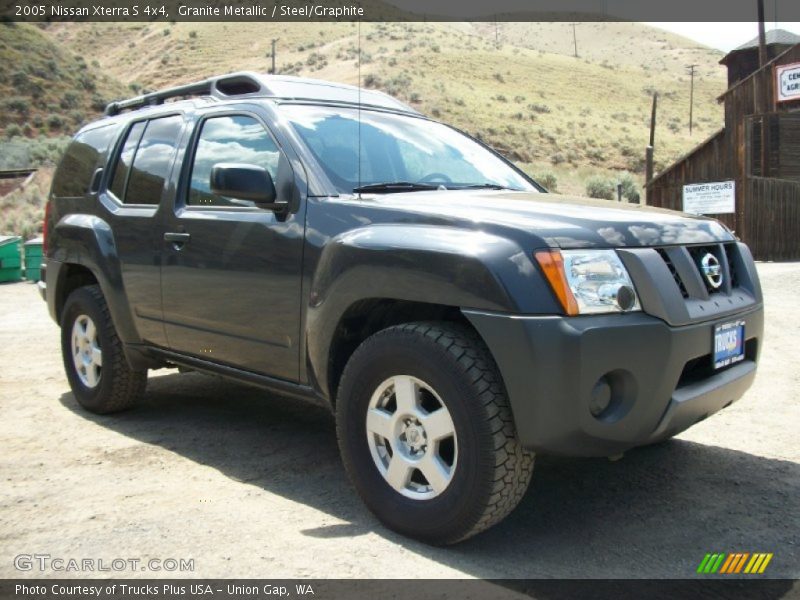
[(231, 272)]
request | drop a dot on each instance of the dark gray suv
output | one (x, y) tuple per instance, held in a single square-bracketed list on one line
[(331, 243)]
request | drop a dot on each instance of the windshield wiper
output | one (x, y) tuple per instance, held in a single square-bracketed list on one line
[(486, 186), (396, 187)]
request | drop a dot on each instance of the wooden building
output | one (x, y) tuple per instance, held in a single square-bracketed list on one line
[(758, 150)]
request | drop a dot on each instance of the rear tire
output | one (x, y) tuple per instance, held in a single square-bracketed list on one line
[(98, 372), (480, 470)]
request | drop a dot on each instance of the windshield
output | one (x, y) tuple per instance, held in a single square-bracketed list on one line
[(396, 149)]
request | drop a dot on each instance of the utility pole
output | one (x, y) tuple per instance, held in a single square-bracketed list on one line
[(762, 36), (496, 34), (272, 71), (575, 39), (649, 168), (691, 95)]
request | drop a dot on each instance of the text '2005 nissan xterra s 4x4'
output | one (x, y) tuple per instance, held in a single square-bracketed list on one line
[(331, 243)]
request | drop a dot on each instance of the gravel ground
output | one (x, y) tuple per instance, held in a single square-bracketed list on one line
[(250, 485)]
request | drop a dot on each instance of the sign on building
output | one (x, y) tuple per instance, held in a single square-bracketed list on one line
[(787, 82), (711, 198)]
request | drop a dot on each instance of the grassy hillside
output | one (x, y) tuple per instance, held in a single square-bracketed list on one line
[(46, 90), (527, 96), (517, 86), (620, 44)]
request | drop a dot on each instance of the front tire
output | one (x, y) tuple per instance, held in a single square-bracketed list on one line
[(426, 432), (98, 372)]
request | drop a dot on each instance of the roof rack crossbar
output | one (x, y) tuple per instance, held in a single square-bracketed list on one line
[(246, 84), (198, 88)]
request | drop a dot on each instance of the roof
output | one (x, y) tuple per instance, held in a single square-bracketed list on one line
[(774, 36), (255, 85)]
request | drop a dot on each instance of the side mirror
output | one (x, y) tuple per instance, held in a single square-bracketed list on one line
[(245, 182)]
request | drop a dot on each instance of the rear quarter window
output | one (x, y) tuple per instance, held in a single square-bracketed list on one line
[(84, 154)]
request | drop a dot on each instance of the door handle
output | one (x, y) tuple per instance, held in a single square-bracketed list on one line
[(177, 239)]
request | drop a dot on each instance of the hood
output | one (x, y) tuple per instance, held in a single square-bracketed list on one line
[(560, 221)]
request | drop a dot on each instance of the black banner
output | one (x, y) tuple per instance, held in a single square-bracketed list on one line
[(396, 10), (396, 589)]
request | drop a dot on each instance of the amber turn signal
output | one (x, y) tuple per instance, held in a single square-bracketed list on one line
[(552, 265)]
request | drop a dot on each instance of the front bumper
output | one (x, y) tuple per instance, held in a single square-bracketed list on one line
[(661, 376)]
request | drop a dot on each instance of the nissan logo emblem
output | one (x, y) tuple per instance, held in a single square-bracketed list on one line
[(712, 270)]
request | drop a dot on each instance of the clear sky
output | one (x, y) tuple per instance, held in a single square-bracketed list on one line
[(723, 36)]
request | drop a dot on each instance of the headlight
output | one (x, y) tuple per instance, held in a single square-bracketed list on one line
[(589, 281)]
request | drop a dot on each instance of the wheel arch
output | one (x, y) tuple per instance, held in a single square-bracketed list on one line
[(85, 254), (368, 316)]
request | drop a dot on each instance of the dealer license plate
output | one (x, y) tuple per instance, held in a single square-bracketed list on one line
[(728, 343)]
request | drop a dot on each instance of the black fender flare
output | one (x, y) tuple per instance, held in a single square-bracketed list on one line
[(429, 264), (88, 241)]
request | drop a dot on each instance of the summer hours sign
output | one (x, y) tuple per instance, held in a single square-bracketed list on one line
[(788, 82), (712, 198)]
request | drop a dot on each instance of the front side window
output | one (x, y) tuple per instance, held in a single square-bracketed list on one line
[(396, 148), (145, 160), (229, 139)]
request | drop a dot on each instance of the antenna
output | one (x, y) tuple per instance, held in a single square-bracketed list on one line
[(359, 101)]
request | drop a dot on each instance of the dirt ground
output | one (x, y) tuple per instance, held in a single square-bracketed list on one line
[(250, 485)]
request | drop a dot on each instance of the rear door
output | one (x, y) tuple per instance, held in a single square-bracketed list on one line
[(231, 275), (137, 184)]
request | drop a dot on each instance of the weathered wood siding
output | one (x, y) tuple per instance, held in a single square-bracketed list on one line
[(773, 218), (759, 149)]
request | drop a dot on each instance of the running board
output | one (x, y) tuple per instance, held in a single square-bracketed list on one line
[(277, 386)]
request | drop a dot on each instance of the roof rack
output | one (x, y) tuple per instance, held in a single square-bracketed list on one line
[(227, 85), (247, 84)]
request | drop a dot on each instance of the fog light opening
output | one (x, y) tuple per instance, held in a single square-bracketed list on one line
[(601, 397), (613, 396)]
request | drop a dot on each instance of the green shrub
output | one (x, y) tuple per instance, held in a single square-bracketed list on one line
[(98, 103), (539, 108), (548, 180), (13, 130), (629, 189), (17, 104), (372, 81), (598, 187), (55, 121), (70, 100)]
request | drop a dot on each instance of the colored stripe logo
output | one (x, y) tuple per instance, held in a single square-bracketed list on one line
[(734, 563)]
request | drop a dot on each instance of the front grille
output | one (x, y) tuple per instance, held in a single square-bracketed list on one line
[(678, 281), (726, 254), (698, 253), (730, 254)]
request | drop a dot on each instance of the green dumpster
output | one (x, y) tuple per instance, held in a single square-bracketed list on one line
[(10, 259), (33, 259)]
